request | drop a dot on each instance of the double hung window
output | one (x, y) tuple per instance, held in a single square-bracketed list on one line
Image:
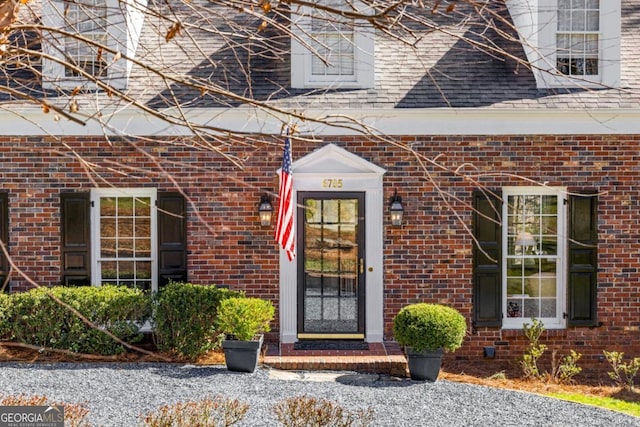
[(124, 226), (578, 37), (330, 50), (534, 254)]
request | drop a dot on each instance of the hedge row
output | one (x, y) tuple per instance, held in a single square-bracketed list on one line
[(185, 318), (182, 318)]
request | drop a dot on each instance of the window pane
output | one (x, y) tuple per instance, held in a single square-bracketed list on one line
[(591, 44), (143, 227), (108, 227), (125, 206), (125, 248), (125, 227), (593, 21), (564, 20), (591, 67), (143, 248), (578, 20), (143, 206), (514, 307), (531, 308), (143, 270), (109, 270), (126, 270), (549, 225), (330, 211), (107, 248), (549, 245), (107, 206), (548, 308), (514, 287)]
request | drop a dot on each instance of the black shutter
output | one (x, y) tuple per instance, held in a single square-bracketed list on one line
[(4, 236), (172, 238), (583, 258), (75, 239), (487, 277)]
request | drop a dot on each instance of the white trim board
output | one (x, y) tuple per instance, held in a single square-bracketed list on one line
[(438, 121)]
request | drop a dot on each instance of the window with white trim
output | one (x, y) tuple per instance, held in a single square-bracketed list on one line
[(88, 40), (533, 250), (578, 37), (332, 51), (88, 18), (123, 230), (570, 43)]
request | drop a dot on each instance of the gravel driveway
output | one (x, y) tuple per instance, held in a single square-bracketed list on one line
[(117, 394)]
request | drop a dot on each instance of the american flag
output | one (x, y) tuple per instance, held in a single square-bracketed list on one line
[(284, 227)]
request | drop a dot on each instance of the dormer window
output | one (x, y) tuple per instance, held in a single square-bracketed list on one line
[(570, 43), (578, 38), (88, 19), (333, 51), (91, 36)]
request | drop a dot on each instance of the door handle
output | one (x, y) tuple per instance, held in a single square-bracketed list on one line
[(361, 266)]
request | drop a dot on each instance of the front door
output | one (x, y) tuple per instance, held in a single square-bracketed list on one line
[(331, 265)]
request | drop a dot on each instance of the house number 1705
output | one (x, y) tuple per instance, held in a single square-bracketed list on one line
[(332, 183)]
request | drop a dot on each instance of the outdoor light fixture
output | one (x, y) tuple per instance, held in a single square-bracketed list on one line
[(265, 210), (396, 210)]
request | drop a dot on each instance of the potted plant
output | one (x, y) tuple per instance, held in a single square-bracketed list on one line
[(425, 331), (243, 321)]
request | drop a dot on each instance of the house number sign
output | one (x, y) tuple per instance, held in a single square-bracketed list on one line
[(332, 183)]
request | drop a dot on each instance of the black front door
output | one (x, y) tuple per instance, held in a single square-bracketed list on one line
[(331, 265)]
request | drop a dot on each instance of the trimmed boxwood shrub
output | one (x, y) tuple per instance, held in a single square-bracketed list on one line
[(185, 318), (426, 326), (244, 318), (35, 318)]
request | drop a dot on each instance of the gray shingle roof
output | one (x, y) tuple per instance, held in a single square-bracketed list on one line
[(439, 71)]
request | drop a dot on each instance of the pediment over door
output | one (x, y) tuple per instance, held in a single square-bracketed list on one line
[(335, 160)]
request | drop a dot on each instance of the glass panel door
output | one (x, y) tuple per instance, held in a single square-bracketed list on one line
[(331, 279)]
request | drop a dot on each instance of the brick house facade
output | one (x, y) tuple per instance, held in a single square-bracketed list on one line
[(496, 130), (428, 259)]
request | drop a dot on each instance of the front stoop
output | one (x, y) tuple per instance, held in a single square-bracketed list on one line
[(381, 358)]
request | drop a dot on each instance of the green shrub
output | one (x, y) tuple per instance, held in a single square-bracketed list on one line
[(568, 368), (535, 350), (36, 318), (429, 327), (244, 318), (303, 411), (203, 413), (185, 318), (623, 373)]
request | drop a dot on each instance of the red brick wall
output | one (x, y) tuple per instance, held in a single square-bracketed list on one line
[(428, 259)]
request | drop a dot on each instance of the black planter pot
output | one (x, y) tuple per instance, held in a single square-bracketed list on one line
[(242, 356), (424, 365)]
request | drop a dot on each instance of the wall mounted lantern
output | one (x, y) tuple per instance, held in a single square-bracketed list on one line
[(265, 210), (396, 210)]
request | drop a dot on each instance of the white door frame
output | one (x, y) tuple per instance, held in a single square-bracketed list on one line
[(327, 169)]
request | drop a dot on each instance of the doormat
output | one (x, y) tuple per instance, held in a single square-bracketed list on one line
[(331, 345)]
